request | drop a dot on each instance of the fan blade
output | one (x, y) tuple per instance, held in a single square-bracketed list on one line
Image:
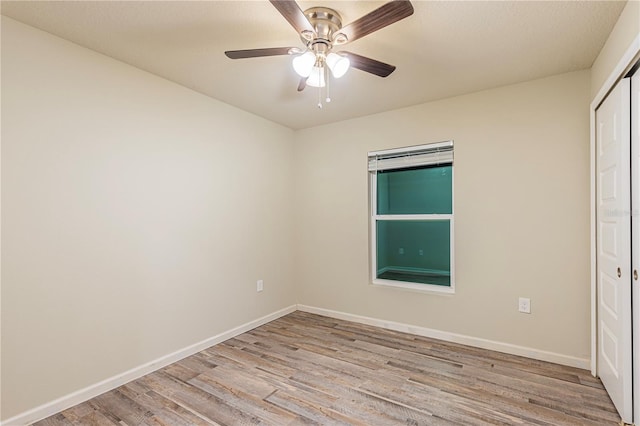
[(385, 15), (293, 14), (369, 65), (302, 84), (256, 53)]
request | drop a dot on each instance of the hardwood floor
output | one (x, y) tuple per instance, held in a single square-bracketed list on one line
[(307, 369)]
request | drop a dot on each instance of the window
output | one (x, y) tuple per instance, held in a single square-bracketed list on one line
[(411, 203)]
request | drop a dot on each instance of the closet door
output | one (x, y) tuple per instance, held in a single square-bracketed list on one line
[(635, 235), (613, 245)]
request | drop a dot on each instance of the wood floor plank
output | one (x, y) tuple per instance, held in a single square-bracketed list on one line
[(121, 407), (249, 404), (164, 410), (367, 407), (306, 369), (319, 414), (205, 405)]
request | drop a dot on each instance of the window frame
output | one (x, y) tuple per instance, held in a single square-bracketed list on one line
[(374, 218)]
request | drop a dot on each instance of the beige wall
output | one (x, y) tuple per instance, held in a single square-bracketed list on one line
[(137, 216), (625, 31), (521, 214)]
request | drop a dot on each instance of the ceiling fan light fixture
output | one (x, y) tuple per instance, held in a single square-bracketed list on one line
[(303, 64), (338, 64), (316, 78)]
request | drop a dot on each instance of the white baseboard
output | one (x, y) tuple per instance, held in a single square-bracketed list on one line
[(106, 385), (455, 338)]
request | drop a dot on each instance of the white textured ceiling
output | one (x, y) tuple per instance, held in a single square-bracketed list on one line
[(446, 48)]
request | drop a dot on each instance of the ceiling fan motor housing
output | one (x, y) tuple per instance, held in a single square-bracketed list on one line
[(326, 23)]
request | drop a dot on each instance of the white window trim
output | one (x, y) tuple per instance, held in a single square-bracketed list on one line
[(373, 218)]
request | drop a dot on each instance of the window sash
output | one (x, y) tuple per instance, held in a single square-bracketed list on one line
[(407, 260), (416, 190)]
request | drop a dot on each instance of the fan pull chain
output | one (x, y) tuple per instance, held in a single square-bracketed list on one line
[(326, 79), (319, 90)]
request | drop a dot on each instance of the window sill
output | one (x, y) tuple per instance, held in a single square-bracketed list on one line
[(421, 288)]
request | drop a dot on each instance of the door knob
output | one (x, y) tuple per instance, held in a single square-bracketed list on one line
[(619, 272), (635, 274)]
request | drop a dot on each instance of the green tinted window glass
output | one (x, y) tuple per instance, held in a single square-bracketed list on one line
[(416, 251), (424, 190)]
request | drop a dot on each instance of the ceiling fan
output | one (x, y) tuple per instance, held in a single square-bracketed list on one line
[(321, 30)]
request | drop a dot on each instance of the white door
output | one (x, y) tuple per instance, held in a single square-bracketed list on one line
[(635, 238), (613, 244)]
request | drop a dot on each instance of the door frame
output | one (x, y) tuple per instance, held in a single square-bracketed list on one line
[(626, 62)]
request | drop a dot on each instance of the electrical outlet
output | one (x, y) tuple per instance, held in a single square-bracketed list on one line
[(524, 305), (260, 285), (401, 250)]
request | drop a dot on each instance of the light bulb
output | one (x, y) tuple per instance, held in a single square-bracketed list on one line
[(316, 78), (338, 64), (303, 64)]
